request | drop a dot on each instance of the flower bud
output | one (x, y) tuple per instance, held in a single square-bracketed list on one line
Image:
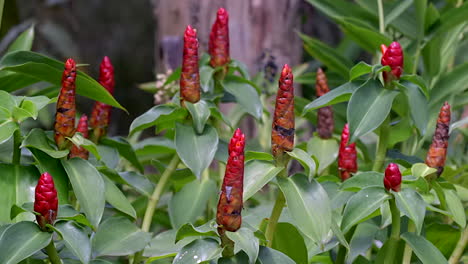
[(347, 156), (77, 151), (218, 45), (393, 57), (325, 122), (392, 179), (46, 202), (190, 76), (438, 150)]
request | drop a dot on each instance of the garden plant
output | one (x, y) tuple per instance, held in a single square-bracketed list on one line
[(369, 166)]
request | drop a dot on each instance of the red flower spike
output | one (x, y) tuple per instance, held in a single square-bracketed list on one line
[(393, 57), (218, 45), (64, 125), (438, 150), (282, 132), (46, 202), (347, 156), (230, 202), (76, 151), (190, 76), (100, 116), (392, 179), (325, 123)]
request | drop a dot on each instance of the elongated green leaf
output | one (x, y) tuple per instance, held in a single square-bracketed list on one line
[(455, 206), (7, 129), (24, 41), (363, 180), (88, 186), (288, 240), (244, 239), (309, 205), (258, 173), (361, 205), (245, 93), (152, 116), (20, 241), (359, 69), (125, 150), (362, 240), (196, 150), (368, 39), (268, 255), (80, 141), (255, 155), (412, 205), (337, 95), (76, 240), (117, 236), (418, 105), (426, 252), (117, 199), (450, 83), (306, 161), (163, 245), (188, 230), (198, 251), (137, 181), (449, 19), (38, 139), (200, 114), (325, 150), (206, 78), (368, 108), (46, 69), (397, 11)]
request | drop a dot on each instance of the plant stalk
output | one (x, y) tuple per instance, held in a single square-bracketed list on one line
[(52, 253), (16, 147), (381, 16), (395, 235), (276, 212), (341, 255), (381, 152), (226, 243), (459, 248), (408, 251)]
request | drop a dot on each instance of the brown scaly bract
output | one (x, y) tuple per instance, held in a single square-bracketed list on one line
[(190, 76), (438, 150), (218, 45), (325, 123), (282, 132), (76, 151), (100, 116), (347, 157), (230, 202), (46, 202), (65, 115)]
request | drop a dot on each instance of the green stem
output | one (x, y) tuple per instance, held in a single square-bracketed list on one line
[(16, 147), (341, 256), (52, 253), (226, 243), (395, 235), (458, 251), (276, 212), (2, 2), (381, 17), (381, 152), (408, 251)]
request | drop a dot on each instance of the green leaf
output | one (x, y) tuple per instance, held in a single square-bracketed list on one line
[(455, 206), (163, 245), (240, 67), (359, 69), (288, 240), (424, 250), (200, 114), (305, 159), (7, 129), (368, 108), (75, 239), (418, 81), (244, 239), (325, 150), (24, 41), (8, 102), (46, 69), (422, 170), (188, 230), (412, 205), (88, 186), (117, 199), (80, 141), (125, 150), (362, 240), (368, 39), (11, 81), (335, 96), (188, 204), (453, 82), (397, 11), (20, 241), (363, 180), (198, 251), (256, 155), (257, 173), (38, 139), (449, 19), (117, 236), (309, 206), (443, 236), (137, 181), (206, 78), (361, 205), (245, 93), (401, 131), (154, 116), (196, 150), (268, 255), (418, 105)]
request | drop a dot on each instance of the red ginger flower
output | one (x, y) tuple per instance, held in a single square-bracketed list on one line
[(393, 57), (325, 123), (230, 202), (347, 157), (438, 150), (282, 132), (64, 125), (190, 76), (218, 45), (392, 179), (76, 151), (46, 203), (100, 116)]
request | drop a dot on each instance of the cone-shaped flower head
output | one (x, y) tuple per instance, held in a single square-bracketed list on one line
[(393, 57), (218, 45), (392, 179), (438, 150), (230, 202), (100, 116), (282, 131), (45, 202), (190, 76), (65, 115), (325, 122), (347, 157), (76, 151)]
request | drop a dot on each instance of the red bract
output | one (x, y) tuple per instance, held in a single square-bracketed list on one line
[(438, 150), (218, 45), (76, 151), (282, 132), (393, 57), (325, 123), (46, 202), (392, 179), (190, 76), (100, 116), (347, 157), (230, 202), (65, 115)]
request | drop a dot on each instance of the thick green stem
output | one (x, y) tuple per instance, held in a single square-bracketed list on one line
[(16, 147), (277, 209), (395, 235), (408, 251), (458, 251), (381, 17), (381, 152), (52, 253), (226, 243), (2, 2)]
